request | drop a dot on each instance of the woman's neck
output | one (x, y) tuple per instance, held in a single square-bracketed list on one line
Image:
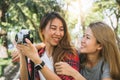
[(92, 60), (49, 50)]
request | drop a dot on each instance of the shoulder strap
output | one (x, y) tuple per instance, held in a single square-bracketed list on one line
[(102, 68)]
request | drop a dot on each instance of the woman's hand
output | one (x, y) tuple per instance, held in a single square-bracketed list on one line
[(15, 56), (28, 50), (39, 45), (64, 68)]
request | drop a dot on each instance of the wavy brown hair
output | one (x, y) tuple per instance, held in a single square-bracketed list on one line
[(64, 47), (110, 51)]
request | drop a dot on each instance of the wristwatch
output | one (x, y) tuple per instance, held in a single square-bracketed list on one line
[(40, 66)]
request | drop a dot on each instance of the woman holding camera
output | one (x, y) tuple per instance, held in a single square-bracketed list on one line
[(54, 33)]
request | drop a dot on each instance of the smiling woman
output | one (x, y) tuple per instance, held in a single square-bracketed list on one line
[(99, 54), (54, 33)]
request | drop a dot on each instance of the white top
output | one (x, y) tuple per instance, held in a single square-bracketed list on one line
[(48, 62)]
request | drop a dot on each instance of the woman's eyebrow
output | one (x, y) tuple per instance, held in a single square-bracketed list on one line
[(55, 25), (88, 35)]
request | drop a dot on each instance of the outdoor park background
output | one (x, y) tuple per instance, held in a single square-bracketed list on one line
[(18, 14)]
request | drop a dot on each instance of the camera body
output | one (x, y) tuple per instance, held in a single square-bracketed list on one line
[(22, 34)]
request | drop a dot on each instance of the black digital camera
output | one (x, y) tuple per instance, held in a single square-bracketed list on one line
[(22, 34)]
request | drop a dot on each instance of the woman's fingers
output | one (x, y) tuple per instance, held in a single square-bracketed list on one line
[(28, 50), (58, 65), (40, 45), (15, 56), (28, 42), (59, 68), (62, 68)]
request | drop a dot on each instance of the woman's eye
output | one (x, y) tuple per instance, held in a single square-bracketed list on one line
[(53, 28), (61, 29), (83, 36), (87, 37)]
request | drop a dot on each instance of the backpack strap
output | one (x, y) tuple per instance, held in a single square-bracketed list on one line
[(102, 69)]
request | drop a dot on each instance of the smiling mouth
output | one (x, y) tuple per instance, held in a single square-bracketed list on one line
[(81, 47), (57, 39)]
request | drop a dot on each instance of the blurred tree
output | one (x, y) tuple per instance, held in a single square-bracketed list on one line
[(70, 16), (109, 9), (17, 14)]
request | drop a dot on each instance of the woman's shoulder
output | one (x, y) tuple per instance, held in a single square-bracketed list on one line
[(72, 55), (104, 64), (72, 58), (105, 69)]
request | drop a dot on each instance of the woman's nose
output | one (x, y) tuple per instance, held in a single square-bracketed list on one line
[(83, 39), (58, 32)]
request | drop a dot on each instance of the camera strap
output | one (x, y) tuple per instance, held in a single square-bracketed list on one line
[(30, 74)]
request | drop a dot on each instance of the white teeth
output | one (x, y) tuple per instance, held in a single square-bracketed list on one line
[(56, 38), (82, 46)]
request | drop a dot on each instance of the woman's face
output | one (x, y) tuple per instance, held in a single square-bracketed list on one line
[(53, 32), (89, 43)]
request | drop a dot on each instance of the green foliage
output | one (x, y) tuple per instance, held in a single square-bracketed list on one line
[(4, 62), (98, 10), (29, 12), (26, 13), (71, 21), (118, 30), (102, 8), (93, 16), (106, 8)]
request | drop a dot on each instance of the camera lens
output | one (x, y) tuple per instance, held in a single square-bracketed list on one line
[(22, 34)]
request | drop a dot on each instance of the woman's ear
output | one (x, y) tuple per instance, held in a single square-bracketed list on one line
[(99, 47)]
